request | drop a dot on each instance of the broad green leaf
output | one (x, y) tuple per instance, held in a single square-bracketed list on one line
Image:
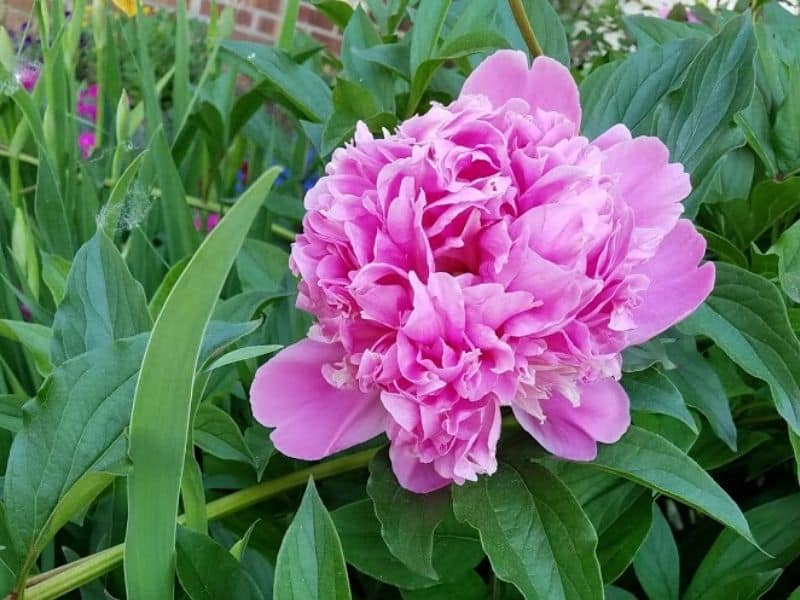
[(103, 302), (360, 34), (650, 391), (534, 532), (657, 564), (261, 266), (787, 248), (241, 354), (696, 120), (652, 461), (217, 433), (300, 86), (755, 123), (655, 31), (702, 389), (468, 587), (618, 543), (769, 202), (11, 412), (33, 337), (786, 132), (674, 431), (10, 559), (310, 561), (207, 571), (73, 427), (161, 409), (746, 316), (456, 548), (261, 447), (710, 453), (775, 525), (338, 11), (55, 271), (628, 91), (408, 520), (425, 33)]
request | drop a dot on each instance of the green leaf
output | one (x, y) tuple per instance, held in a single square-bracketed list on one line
[(696, 121), (456, 548), (55, 271), (787, 248), (239, 548), (534, 532), (655, 31), (769, 202), (207, 571), (310, 561), (359, 35), (73, 427), (176, 216), (746, 317), (628, 91), (217, 433), (338, 11), (786, 132), (241, 354), (301, 87), (261, 266), (657, 564), (702, 389), (34, 337), (652, 461), (650, 391), (775, 525), (620, 542), (468, 587), (408, 520), (116, 200), (161, 409), (425, 33), (755, 123), (103, 302)]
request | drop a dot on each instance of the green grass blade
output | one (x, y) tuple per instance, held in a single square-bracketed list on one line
[(180, 83), (161, 412)]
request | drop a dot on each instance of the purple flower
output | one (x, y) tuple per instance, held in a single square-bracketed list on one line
[(27, 76), (86, 143)]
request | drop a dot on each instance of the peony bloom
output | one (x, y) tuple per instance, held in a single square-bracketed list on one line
[(484, 255), (86, 143)]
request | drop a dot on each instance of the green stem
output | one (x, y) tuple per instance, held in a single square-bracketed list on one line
[(66, 578), (525, 28)]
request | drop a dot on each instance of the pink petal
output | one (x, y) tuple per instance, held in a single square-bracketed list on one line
[(312, 419), (651, 185), (677, 285), (572, 432), (547, 85), (412, 474)]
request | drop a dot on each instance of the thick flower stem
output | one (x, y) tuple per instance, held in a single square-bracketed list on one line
[(66, 578), (525, 28)]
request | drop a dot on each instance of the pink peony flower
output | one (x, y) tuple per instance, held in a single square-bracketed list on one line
[(86, 143), (484, 255), (27, 76)]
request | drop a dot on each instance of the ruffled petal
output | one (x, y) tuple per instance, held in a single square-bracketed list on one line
[(547, 84), (677, 284), (312, 419), (572, 432)]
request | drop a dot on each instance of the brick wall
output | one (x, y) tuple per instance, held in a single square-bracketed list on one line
[(257, 20)]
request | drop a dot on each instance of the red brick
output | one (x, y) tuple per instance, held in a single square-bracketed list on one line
[(244, 17)]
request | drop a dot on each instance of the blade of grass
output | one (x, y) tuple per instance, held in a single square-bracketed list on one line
[(162, 404), (180, 83), (288, 25)]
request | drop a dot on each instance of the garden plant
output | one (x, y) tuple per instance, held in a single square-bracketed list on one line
[(501, 300)]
